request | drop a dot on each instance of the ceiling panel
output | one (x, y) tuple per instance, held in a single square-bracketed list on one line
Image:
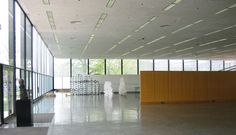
[(137, 28)]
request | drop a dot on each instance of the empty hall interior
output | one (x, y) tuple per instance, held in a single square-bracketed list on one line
[(121, 67)]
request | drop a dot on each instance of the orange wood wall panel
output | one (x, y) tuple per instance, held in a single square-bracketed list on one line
[(175, 84), (163, 86), (147, 84), (188, 85)]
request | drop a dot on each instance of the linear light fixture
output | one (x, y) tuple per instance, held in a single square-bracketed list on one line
[(51, 20), (55, 37), (137, 48), (185, 41), (123, 40), (145, 54), (226, 9), (110, 3), (232, 6), (213, 32), (145, 24), (165, 54), (100, 20), (216, 31), (205, 50), (230, 27), (46, 2), (189, 48), (212, 42), (114, 46), (155, 40), (221, 11), (157, 50), (186, 54), (187, 26), (125, 54), (91, 38), (172, 5), (233, 44)]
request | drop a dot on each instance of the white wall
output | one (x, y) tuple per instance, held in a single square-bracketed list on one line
[(131, 81)]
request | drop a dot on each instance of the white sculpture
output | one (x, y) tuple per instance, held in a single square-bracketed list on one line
[(122, 89), (108, 88)]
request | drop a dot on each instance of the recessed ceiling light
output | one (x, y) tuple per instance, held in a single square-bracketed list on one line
[(233, 44), (51, 20), (100, 20), (232, 6), (213, 32), (46, 2), (205, 50), (185, 41), (169, 7), (216, 41), (137, 48), (157, 50), (55, 38), (145, 24), (221, 11), (127, 37), (125, 54), (189, 48), (155, 40), (187, 26), (110, 3)]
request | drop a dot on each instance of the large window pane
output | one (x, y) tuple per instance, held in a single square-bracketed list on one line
[(28, 45), (96, 67), (230, 63), (145, 65), (35, 50), (130, 66), (161, 65), (190, 65), (217, 65), (176, 65), (79, 66), (4, 29), (113, 66), (8, 91), (20, 36), (203, 65)]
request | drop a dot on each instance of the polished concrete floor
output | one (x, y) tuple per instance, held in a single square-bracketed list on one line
[(123, 115)]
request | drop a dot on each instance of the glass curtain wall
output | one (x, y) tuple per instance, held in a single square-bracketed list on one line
[(204, 65), (79, 66), (113, 66), (176, 65), (190, 65), (42, 74), (161, 65), (96, 66), (217, 65), (130, 67), (145, 65)]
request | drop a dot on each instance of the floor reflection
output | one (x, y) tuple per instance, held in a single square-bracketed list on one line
[(96, 108)]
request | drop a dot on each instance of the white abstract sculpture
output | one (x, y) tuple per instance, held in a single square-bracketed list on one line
[(122, 89), (108, 88)]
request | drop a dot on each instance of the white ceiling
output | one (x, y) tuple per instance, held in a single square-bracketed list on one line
[(186, 24)]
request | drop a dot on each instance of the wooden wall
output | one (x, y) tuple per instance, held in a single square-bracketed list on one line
[(187, 86)]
